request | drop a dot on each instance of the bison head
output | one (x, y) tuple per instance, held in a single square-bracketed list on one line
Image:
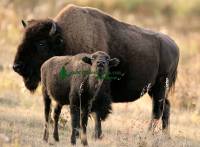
[(42, 39)]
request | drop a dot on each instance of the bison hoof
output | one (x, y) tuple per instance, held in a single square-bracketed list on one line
[(166, 134), (56, 138), (46, 136), (152, 126), (45, 139)]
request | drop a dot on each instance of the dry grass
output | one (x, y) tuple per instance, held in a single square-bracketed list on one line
[(21, 114), (127, 126)]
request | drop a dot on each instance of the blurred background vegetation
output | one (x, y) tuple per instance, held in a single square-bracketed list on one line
[(180, 19)]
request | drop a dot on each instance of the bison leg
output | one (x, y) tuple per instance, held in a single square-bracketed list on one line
[(56, 116), (165, 117), (84, 120), (158, 94), (47, 113)]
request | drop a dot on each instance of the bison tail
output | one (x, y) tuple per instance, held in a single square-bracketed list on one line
[(102, 107), (173, 81)]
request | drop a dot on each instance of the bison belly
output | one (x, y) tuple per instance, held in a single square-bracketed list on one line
[(135, 80)]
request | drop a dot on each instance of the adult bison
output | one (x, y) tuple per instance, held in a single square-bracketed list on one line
[(149, 59)]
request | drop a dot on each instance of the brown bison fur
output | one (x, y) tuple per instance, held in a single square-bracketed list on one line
[(146, 57), (83, 92)]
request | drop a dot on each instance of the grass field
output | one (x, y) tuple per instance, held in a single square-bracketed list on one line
[(21, 113)]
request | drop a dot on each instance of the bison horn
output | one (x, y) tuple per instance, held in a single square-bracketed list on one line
[(24, 24), (53, 29)]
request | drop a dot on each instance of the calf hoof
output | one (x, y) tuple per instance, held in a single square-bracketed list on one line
[(98, 136), (73, 140), (84, 139), (52, 143), (77, 134)]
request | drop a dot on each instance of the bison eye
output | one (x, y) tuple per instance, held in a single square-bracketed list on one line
[(42, 44)]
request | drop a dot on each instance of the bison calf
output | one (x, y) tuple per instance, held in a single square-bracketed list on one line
[(85, 92)]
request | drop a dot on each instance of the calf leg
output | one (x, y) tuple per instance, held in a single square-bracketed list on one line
[(101, 108), (47, 113), (84, 120), (97, 127), (75, 119), (56, 116)]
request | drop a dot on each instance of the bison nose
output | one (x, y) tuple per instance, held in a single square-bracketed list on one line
[(16, 67)]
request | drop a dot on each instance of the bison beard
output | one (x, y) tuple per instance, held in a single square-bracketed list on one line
[(32, 81), (31, 55)]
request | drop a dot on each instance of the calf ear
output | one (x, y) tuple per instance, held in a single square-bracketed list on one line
[(113, 62), (87, 60)]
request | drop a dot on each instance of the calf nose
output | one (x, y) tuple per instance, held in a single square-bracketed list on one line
[(16, 67), (100, 63)]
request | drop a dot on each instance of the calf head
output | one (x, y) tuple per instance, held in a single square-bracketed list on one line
[(100, 63), (42, 39)]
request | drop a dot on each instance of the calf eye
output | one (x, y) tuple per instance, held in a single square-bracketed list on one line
[(93, 57)]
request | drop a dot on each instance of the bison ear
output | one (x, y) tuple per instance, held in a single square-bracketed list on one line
[(113, 62), (87, 60), (53, 29), (31, 21), (24, 23)]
